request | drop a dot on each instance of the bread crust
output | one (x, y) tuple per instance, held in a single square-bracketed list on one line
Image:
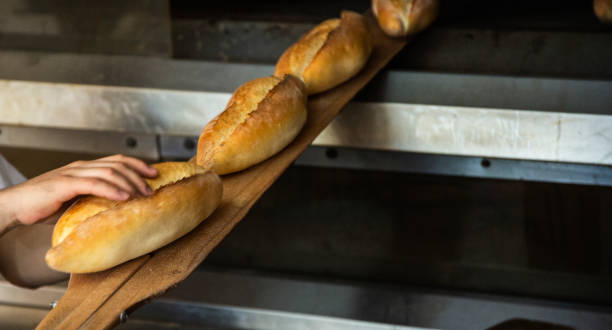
[(603, 10), (399, 18), (88, 206), (262, 117), (95, 234), (329, 54)]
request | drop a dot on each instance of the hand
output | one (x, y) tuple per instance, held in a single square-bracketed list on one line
[(116, 177)]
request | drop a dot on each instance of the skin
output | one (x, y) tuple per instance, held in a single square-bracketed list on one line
[(28, 210)]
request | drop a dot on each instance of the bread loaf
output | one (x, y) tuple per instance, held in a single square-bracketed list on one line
[(603, 10), (262, 117), (399, 18), (329, 54), (95, 233)]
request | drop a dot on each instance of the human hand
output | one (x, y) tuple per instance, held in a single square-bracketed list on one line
[(115, 177)]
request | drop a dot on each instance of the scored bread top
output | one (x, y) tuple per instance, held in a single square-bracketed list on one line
[(329, 54), (300, 55), (343, 54), (89, 206), (402, 17), (603, 10), (261, 118), (391, 15), (242, 103), (249, 94), (138, 226)]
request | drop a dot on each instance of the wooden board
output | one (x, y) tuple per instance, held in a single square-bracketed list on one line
[(94, 301)]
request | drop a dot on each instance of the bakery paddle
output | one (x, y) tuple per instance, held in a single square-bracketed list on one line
[(95, 301)]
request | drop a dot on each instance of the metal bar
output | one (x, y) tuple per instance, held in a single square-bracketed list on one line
[(378, 303), (251, 300), (177, 147), (492, 168), (483, 132), (37, 298), (233, 317), (100, 142), (98, 108), (513, 134), (183, 147)]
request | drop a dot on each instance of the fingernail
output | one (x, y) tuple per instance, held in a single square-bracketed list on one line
[(124, 195), (148, 191)]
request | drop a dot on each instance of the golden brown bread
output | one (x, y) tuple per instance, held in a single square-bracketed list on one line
[(262, 117), (329, 54), (399, 18), (96, 234), (603, 10)]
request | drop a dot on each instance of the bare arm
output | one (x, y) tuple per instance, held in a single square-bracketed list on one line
[(22, 256), (22, 247)]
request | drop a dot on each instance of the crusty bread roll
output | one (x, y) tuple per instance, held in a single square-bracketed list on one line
[(399, 18), (329, 54), (603, 10), (95, 233), (262, 117)]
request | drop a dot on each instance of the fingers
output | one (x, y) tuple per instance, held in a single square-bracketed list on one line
[(137, 164), (117, 172), (97, 187), (116, 178), (125, 172), (110, 174), (133, 177)]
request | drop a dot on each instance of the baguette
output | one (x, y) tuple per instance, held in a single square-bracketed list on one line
[(603, 10), (262, 117), (399, 18), (329, 54), (95, 233)]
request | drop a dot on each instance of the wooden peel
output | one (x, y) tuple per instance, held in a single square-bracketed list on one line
[(94, 301)]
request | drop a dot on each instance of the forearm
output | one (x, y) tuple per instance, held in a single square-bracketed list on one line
[(22, 248), (22, 253)]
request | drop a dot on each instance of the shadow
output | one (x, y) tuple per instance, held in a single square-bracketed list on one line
[(520, 324)]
